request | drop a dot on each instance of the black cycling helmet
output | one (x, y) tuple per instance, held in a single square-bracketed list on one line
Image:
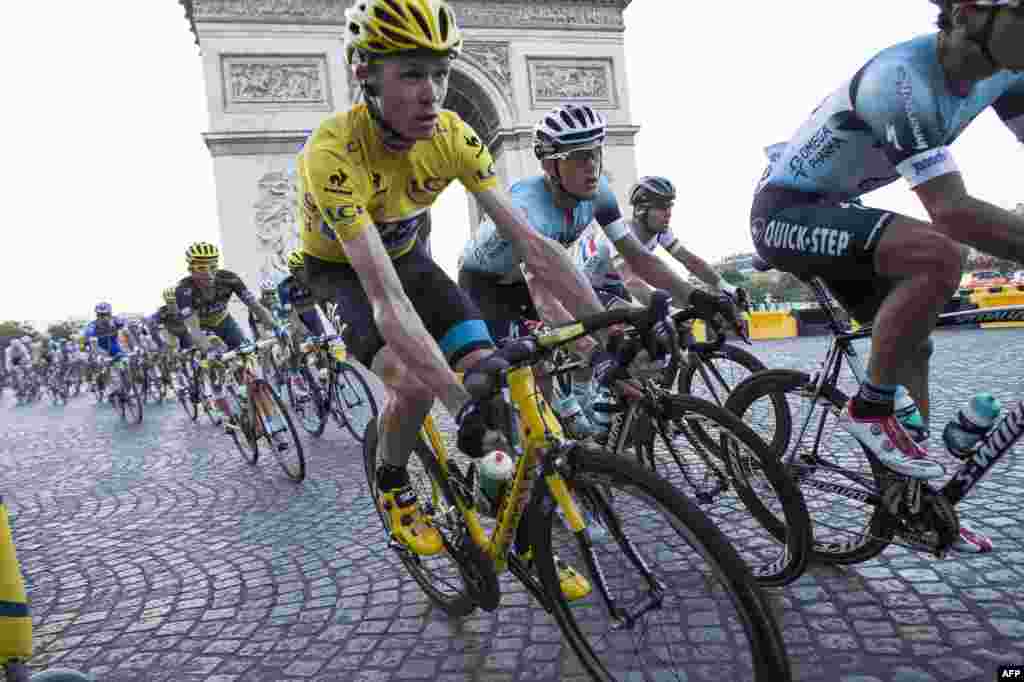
[(652, 188)]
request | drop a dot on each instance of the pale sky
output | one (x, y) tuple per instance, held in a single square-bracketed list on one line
[(108, 177)]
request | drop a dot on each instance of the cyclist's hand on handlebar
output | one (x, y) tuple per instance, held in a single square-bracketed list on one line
[(605, 366), (712, 307), (477, 422)]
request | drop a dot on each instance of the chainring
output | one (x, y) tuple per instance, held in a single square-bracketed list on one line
[(477, 570)]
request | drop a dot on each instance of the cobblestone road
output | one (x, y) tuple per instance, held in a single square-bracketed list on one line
[(155, 553)]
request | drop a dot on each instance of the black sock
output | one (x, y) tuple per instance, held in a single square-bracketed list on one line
[(874, 400), (391, 477)]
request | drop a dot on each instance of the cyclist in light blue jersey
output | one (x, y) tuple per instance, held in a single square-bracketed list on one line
[(896, 117), (560, 204)]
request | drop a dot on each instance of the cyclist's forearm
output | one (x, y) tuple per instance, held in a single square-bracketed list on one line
[(554, 270), (264, 315), (553, 312), (196, 334), (403, 331), (655, 272), (698, 267), (640, 290)]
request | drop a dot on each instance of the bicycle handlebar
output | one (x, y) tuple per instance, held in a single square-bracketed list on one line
[(247, 349), (481, 380)]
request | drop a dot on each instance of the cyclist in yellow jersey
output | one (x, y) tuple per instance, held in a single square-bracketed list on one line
[(368, 177)]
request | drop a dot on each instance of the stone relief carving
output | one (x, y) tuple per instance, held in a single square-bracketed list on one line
[(470, 13), (527, 14), (492, 58), (277, 233), (556, 80), (323, 10), (280, 80)]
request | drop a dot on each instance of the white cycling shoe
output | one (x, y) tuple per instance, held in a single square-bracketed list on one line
[(887, 440), (892, 444)]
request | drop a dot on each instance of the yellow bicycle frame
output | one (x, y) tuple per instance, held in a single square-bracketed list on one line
[(539, 431)]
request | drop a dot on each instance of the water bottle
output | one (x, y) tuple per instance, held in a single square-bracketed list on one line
[(494, 473), (971, 424), (910, 417), (572, 415)]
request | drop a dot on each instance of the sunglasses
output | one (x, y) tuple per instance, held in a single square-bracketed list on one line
[(203, 269), (662, 205), (580, 155)]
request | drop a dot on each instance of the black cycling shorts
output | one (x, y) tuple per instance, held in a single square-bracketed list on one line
[(447, 312), (800, 233), (229, 332), (505, 307)]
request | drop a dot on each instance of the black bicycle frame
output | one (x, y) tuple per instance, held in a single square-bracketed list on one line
[(999, 441)]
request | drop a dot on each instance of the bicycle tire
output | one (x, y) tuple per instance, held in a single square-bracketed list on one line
[(876, 533), (349, 393), (589, 469), (313, 424), (185, 398), (158, 388), (245, 434), (747, 459), (690, 372), (130, 400), (461, 603), (296, 473)]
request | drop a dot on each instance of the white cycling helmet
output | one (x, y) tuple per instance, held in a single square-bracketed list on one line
[(267, 285), (568, 127)]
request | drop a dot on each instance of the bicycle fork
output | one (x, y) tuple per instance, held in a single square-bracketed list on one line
[(625, 616)]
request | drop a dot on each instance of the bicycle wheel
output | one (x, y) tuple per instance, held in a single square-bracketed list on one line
[(284, 440), (270, 368), (306, 399), (440, 576), (352, 403), (206, 399), (696, 445), (243, 431), (184, 391), (712, 374), (131, 401), (670, 598), (839, 481), (157, 385)]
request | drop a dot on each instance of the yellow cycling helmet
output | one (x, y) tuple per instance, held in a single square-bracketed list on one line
[(170, 295), (385, 27), (203, 253), (296, 260)]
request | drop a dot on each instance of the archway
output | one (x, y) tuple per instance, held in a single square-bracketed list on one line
[(474, 105)]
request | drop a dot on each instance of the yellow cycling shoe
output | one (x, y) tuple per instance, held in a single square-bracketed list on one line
[(408, 524), (574, 586)]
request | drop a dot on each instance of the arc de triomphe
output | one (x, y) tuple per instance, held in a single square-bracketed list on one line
[(274, 69)]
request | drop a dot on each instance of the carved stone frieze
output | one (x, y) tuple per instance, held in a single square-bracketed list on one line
[(277, 233), (534, 14), (270, 10), (556, 80), (493, 58), (560, 14), (297, 81)]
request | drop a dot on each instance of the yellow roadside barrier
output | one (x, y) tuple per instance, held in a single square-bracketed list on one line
[(15, 621), (995, 300), (772, 324)]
